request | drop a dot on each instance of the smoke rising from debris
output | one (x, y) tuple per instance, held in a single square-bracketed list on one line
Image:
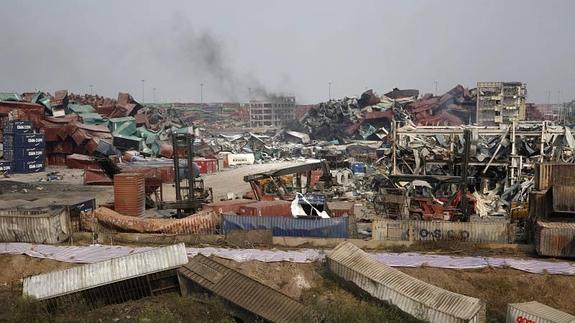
[(206, 55)]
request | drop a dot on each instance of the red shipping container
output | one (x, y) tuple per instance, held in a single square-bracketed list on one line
[(206, 165), (230, 206), (267, 208), (340, 208)]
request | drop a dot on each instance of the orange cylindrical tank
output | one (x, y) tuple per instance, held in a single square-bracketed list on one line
[(129, 194)]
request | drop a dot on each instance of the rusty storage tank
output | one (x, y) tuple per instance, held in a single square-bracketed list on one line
[(129, 194)]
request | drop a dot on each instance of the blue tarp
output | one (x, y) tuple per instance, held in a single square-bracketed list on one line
[(289, 227)]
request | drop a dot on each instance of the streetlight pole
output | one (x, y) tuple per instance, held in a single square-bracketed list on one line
[(143, 87), (91, 89), (329, 90)]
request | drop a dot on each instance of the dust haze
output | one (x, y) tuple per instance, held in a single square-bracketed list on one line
[(270, 47)]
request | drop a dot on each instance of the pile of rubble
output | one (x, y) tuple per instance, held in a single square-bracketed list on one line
[(370, 117), (78, 127)]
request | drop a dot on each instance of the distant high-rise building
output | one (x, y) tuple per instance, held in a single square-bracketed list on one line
[(500, 102), (272, 112)]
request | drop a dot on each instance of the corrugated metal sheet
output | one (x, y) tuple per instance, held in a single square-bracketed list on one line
[(550, 174), (537, 313), (63, 282), (242, 290), (538, 201), (422, 300), (288, 227), (496, 232), (202, 222), (555, 239), (563, 200), (35, 225)]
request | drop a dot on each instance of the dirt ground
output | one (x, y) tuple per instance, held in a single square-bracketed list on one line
[(16, 267), (231, 180), (35, 186), (498, 287), (312, 284)]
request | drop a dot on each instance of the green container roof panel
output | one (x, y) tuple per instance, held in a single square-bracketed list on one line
[(5, 96), (145, 133), (122, 119), (80, 108), (92, 118), (124, 126)]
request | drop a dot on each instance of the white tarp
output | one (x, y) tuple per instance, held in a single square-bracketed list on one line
[(96, 253)]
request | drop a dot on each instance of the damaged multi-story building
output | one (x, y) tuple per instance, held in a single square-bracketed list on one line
[(500, 102), (272, 112)]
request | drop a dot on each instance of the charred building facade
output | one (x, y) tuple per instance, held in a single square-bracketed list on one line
[(500, 102), (272, 112)]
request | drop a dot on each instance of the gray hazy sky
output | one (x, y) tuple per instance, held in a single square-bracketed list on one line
[(294, 47)]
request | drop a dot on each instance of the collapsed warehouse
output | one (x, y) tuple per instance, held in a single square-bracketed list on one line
[(377, 170)]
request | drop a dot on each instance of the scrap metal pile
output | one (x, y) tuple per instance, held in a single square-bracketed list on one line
[(501, 160), (370, 116)]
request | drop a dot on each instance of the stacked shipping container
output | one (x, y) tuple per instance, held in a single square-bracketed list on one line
[(23, 148)]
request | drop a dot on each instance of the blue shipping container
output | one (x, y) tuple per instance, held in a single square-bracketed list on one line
[(358, 168), (6, 166), (13, 127), (28, 166), (32, 153), (24, 140), (288, 227)]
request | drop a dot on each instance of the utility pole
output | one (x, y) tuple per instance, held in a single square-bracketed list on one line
[(143, 87), (464, 166), (329, 90), (249, 94), (201, 94)]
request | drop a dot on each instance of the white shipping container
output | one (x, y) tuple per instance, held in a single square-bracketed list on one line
[(72, 280), (535, 312), (240, 159), (422, 300), (419, 230), (35, 225)]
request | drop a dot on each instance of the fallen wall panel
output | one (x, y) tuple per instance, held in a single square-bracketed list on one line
[(72, 280), (35, 225), (288, 227), (422, 300), (240, 290), (416, 230)]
